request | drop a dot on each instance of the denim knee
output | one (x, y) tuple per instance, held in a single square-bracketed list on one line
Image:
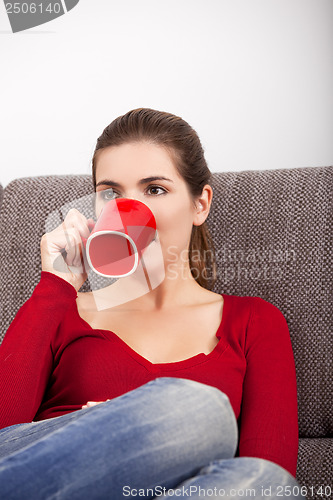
[(192, 386), (265, 476), (279, 482), (280, 475), (199, 399)]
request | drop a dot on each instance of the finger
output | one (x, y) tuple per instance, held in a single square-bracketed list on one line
[(71, 247), (90, 404), (75, 219), (83, 228)]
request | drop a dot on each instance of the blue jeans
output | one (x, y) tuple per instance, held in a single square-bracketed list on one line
[(168, 434)]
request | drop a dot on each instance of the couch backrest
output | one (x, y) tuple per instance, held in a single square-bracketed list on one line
[(273, 230), (272, 234)]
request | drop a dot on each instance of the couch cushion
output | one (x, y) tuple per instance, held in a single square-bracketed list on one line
[(314, 467), (273, 233)]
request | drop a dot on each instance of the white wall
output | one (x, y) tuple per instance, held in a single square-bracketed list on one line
[(253, 77)]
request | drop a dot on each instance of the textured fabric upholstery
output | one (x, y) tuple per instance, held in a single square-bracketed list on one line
[(272, 233), (1, 195), (314, 467)]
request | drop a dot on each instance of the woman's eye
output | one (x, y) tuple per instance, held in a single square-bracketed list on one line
[(108, 194), (157, 187)]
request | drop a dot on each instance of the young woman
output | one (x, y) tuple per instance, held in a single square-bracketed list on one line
[(178, 392)]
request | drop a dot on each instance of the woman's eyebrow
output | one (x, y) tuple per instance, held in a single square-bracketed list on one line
[(108, 182)]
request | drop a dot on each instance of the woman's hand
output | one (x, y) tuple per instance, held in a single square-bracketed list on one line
[(93, 403), (61, 249)]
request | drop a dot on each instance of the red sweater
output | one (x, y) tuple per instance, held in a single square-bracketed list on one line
[(52, 362)]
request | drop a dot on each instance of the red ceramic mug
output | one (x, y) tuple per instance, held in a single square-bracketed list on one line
[(124, 228)]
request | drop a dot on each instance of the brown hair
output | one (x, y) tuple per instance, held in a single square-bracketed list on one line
[(183, 144)]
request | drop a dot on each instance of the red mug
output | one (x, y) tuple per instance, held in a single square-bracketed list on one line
[(124, 228)]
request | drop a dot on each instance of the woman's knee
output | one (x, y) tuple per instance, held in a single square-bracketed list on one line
[(203, 408), (190, 388), (278, 482), (195, 396), (265, 477)]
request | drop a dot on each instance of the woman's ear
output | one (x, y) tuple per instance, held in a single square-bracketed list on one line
[(203, 205)]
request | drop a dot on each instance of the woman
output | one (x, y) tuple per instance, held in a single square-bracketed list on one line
[(180, 389)]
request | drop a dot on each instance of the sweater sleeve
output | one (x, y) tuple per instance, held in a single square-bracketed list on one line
[(269, 421), (26, 357)]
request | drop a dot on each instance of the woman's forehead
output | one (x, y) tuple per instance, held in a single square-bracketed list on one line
[(135, 160)]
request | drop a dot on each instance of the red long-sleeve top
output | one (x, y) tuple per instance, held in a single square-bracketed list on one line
[(52, 362)]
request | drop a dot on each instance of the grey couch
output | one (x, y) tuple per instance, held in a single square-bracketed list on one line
[(272, 232)]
